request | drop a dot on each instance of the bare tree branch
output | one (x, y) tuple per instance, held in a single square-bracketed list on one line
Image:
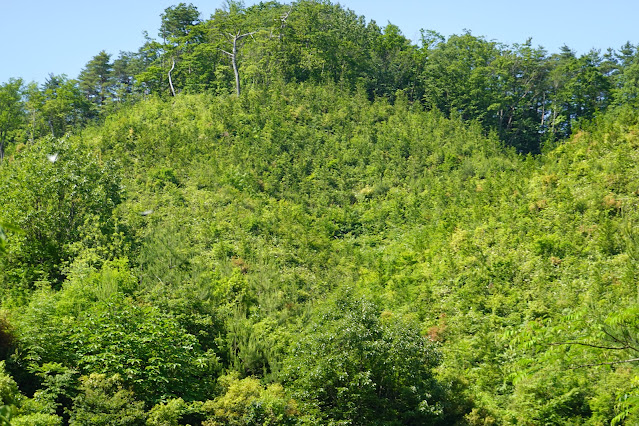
[(284, 17)]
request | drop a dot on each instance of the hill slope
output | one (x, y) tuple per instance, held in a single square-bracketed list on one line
[(367, 262)]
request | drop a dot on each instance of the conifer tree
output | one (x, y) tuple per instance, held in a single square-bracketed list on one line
[(95, 80)]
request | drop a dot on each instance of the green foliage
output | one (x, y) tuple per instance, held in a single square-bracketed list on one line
[(62, 105), (56, 391), (151, 353), (9, 393), (7, 336), (55, 193), (102, 400), (4, 228), (95, 79), (236, 217), (520, 92), (37, 419), (16, 409), (178, 20), (167, 413), (12, 112), (343, 232), (5, 415), (362, 366), (3, 239), (627, 403), (247, 402)]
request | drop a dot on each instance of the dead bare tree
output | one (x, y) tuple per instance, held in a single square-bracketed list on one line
[(236, 40), (170, 81)]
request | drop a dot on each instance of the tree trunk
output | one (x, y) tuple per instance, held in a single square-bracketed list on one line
[(2, 147), (235, 39), (235, 70), (170, 81)]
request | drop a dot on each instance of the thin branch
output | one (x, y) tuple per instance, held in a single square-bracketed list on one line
[(589, 345), (241, 36), (618, 340), (605, 363), (237, 36), (612, 336)]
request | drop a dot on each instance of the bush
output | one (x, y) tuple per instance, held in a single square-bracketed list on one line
[(247, 402), (104, 401), (148, 349), (358, 365)]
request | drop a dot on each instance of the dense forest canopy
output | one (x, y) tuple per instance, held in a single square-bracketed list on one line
[(285, 214)]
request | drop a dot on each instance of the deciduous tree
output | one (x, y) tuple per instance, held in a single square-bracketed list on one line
[(12, 112)]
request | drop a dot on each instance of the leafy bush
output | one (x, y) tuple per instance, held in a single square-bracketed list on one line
[(102, 400), (52, 200), (357, 364), (148, 349), (247, 402)]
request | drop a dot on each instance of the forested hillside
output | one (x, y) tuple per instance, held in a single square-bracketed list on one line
[(285, 214)]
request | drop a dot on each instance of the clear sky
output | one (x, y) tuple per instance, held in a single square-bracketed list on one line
[(38, 37)]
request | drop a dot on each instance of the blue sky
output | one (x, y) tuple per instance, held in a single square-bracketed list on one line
[(38, 37)]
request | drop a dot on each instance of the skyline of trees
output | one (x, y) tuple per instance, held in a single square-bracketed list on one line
[(528, 96)]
